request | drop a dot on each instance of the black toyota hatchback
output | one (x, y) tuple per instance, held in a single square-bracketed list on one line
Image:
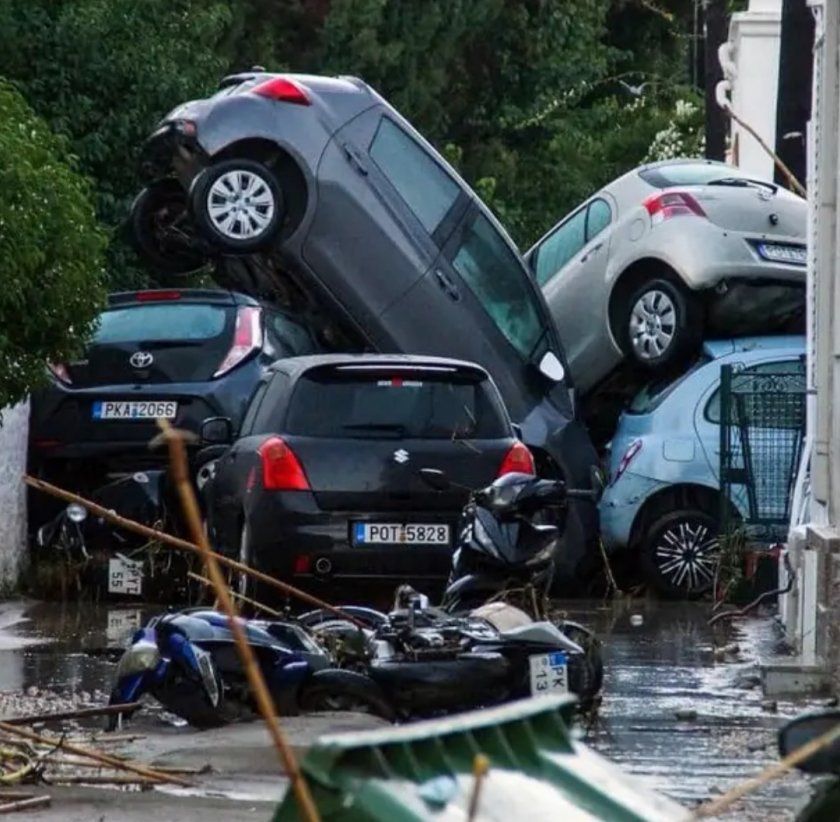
[(323, 485), (318, 184)]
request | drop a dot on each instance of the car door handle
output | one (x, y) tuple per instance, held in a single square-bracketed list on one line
[(447, 284), (355, 158), (594, 250)]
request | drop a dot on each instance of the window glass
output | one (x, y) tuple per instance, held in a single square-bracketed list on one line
[(755, 382), (290, 337), (654, 394), (252, 409), (599, 217), (688, 174), (498, 279), (426, 188), (161, 321), (561, 246), (269, 416), (383, 405)]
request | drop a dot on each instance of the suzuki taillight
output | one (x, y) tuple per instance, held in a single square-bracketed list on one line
[(283, 90), (281, 469), (246, 339), (518, 460), (60, 372), (669, 204), (625, 461)]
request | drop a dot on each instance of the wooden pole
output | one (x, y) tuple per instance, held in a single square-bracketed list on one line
[(236, 595), (184, 545), (82, 713), (261, 694), (105, 759)]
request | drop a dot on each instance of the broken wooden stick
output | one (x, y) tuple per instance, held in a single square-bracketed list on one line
[(98, 756), (177, 542), (236, 595), (26, 804), (259, 690), (82, 713)]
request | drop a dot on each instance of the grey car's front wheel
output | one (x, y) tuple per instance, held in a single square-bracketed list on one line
[(238, 205), (661, 324)]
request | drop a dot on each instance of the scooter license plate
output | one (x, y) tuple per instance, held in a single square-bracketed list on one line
[(205, 667), (549, 673)]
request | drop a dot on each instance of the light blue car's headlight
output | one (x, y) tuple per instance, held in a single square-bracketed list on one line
[(143, 656)]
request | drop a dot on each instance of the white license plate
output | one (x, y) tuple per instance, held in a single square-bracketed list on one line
[(784, 253), (125, 576), (388, 533), (135, 410), (549, 673)]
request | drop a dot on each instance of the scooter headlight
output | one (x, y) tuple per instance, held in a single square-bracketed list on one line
[(142, 656), (76, 513)]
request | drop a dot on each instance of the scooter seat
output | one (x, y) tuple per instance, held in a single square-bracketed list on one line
[(542, 633)]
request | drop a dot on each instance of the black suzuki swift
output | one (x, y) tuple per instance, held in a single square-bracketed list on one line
[(323, 482)]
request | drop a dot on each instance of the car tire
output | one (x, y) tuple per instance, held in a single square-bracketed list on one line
[(680, 552), (661, 324), (238, 205), (154, 228)]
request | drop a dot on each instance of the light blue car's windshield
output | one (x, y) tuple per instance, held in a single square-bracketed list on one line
[(654, 394)]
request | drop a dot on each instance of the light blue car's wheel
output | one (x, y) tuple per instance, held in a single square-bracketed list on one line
[(680, 554)]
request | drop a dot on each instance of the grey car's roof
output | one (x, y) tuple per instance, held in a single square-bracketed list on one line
[(720, 348), (295, 366)]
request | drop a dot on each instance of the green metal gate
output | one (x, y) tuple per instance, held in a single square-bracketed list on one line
[(762, 430)]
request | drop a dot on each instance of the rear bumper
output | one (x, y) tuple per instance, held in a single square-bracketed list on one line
[(292, 538)]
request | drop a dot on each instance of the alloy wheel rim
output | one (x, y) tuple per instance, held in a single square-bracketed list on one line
[(686, 555), (240, 205), (653, 324)]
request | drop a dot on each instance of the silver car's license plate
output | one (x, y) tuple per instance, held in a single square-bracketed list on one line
[(778, 253), (389, 533), (135, 410)]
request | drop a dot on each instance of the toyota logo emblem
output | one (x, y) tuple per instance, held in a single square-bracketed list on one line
[(141, 359)]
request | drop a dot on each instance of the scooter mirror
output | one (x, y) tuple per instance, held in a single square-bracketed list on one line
[(806, 728), (435, 479)]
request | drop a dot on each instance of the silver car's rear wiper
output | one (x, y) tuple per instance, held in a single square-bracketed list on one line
[(743, 182)]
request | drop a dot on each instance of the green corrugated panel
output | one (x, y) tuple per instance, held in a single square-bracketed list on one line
[(424, 772)]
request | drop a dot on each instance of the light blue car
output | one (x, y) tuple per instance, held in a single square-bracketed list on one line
[(663, 497)]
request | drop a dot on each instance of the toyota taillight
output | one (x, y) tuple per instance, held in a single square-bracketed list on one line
[(60, 372), (663, 206), (247, 338), (281, 469), (282, 90), (625, 461), (518, 460)]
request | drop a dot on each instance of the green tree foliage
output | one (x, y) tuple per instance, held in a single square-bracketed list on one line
[(50, 250)]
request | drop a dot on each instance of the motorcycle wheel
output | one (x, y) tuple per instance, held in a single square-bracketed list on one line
[(586, 678), (337, 690), (186, 698)]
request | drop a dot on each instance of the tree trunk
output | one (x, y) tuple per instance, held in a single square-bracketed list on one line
[(14, 431), (793, 106), (717, 123)]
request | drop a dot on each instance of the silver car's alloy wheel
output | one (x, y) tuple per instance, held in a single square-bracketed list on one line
[(686, 555), (240, 205), (653, 324)]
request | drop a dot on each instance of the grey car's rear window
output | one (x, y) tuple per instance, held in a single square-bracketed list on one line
[(424, 186), (394, 405), (157, 322), (687, 174)]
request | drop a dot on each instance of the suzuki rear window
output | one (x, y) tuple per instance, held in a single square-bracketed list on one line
[(394, 406), (687, 174), (176, 322)]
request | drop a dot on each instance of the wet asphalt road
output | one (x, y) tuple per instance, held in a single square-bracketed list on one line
[(689, 721)]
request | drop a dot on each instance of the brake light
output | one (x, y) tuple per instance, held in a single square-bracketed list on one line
[(283, 90), (60, 372), (157, 296), (625, 461), (670, 204), (302, 563), (518, 460), (247, 338), (281, 469)]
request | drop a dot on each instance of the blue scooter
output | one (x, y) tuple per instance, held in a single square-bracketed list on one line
[(189, 662)]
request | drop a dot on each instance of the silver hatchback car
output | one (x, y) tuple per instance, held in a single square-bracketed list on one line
[(665, 254)]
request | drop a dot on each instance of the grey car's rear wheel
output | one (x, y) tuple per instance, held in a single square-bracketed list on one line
[(238, 205), (680, 554), (661, 324)]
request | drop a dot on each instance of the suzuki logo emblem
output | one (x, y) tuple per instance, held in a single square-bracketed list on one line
[(401, 455), (141, 359)]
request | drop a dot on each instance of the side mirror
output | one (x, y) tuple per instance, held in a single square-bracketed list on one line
[(517, 430), (435, 479), (217, 431), (805, 728), (551, 367)]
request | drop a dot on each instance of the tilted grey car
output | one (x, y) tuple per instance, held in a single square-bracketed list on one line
[(664, 254)]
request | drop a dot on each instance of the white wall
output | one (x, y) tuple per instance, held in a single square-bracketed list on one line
[(13, 439)]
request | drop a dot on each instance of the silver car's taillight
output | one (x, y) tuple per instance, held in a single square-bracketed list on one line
[(667, 204)]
